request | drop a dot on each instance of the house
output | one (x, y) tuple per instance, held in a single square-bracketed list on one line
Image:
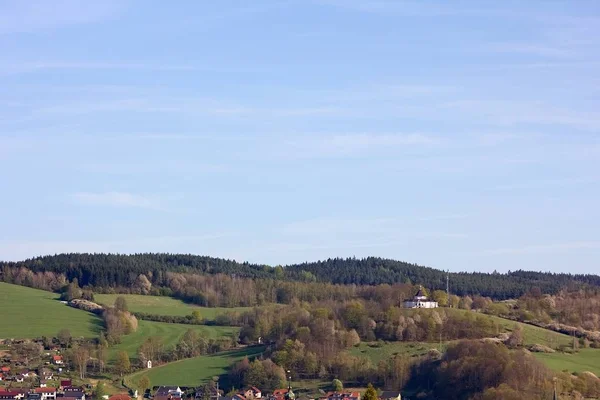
[(120, 396), (279, 394), (46, 373), (43, 383), (341, 396), (1, 377), (19, 378), (65, 383), (57, 360), (420, 301), (74, 395), (168, 393), (213, 393), (72, 389), (9, 395), (390, 395), (34, 396), (252, 393), (5, 369), (47, 393)]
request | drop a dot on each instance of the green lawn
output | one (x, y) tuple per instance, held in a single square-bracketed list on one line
[(30, 313), (169, 334), (535, 334), (585, 360), (193, 371), (163, 305)]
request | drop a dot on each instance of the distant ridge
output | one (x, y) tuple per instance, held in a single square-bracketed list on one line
[(111, 270)]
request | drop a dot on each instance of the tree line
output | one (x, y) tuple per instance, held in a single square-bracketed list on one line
[(115, 270)]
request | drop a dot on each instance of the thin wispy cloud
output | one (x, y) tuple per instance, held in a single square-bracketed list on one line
[(118, 199), (352, 144), (39, 15)]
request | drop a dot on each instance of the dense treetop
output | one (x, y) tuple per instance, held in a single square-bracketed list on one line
[(109, 270)]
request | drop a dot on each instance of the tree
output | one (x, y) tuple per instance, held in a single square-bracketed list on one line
[(516, 337), (64, 337), (81, 355), (370, 393), (121, 304), (441, 297), (337, 385), (122, 365), (143, 384), (197, 316), (100, 391)]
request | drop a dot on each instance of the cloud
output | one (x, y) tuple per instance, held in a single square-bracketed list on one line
[(18, 16), (546, 248), (531, 49), (117, 199), (357, 143)]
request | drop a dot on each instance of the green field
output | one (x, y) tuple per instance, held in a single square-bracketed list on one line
[(193, 371), (163, 305), (30, 313), (169, 334), (531, 334), (584, 360)]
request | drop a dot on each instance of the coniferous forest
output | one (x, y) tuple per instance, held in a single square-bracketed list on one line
[(113, 270)]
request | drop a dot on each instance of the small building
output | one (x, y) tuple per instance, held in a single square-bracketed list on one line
[(149, 364), (420, 301), (47, 393), (57, 360), (34, 396), (168, 393), (252, 393), (341, 396), (65, 383), (8, 395), (390, 395), (120, 396), (78, 395)]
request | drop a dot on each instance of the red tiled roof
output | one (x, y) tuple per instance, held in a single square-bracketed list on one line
[(57, 358), (121, 396), (5, 369), (5, 393), (45, 390), (279, 392)]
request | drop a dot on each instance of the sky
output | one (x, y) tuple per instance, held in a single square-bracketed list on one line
[(460, 135)]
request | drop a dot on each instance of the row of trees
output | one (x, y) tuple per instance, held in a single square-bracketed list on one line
[(147, 273)]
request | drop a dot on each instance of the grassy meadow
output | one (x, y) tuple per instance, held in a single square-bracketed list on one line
[(584, 360), (31, 313), (193, 371), (170, 334), (163, 305)]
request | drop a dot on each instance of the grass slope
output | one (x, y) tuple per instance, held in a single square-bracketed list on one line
[(584, 360), (170, 334), (193, 371), (30, 313), (163, 305), (378, 351)]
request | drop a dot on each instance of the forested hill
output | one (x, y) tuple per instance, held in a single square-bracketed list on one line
[(112, 270)]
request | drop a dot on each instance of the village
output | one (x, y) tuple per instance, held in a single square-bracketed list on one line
[(54, 381)]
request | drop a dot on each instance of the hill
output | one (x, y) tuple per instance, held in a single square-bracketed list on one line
[(169, 335), (193, 371), (31, 313), (163, 305), (115, 270)]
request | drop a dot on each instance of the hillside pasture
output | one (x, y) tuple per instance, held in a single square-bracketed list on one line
[(194, 371), (163, 305), (32, 313), (169, 334), (584, 360)]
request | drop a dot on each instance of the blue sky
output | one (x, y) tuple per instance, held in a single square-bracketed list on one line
[(461, 135)]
